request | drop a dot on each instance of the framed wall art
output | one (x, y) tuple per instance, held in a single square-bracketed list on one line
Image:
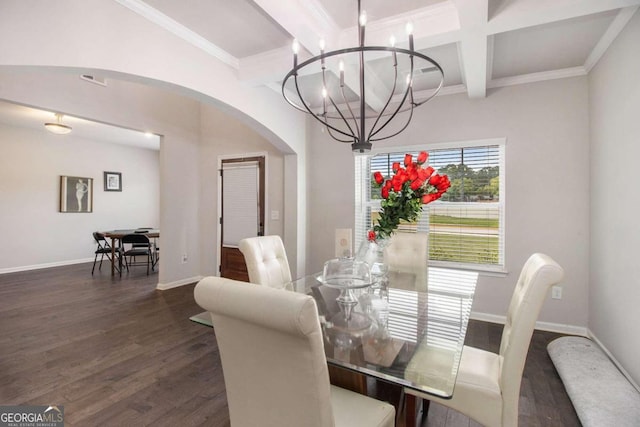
[(76, 194), (112, 181)]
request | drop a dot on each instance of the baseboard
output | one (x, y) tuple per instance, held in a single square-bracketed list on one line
[(543, 326), (177, 283), (45, 265), (613, 359)]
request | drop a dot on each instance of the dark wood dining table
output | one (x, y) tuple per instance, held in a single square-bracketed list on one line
[(117, 235)]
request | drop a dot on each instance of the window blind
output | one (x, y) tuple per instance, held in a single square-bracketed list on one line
[(466, 226), (239, 202)]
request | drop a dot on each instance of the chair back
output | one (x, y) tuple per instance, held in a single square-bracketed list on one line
[(266, 260), (99, 237), (272, 354), (539, 273), (407, 251), (136, 239)]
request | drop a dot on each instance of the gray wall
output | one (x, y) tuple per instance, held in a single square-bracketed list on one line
[(547, 183), (35, 233), (614, 292)]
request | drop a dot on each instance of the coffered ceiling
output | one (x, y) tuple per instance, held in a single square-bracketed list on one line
[(480, 44)]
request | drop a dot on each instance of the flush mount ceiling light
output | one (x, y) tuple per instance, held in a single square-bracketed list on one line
[(357, 108), (57, 127)]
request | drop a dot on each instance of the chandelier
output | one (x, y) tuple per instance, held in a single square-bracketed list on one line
[(362, 94)]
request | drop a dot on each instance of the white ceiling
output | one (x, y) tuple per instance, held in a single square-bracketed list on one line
[(33, 118), (480, 44)]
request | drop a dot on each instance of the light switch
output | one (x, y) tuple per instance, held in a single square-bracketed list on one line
[(275, 215)]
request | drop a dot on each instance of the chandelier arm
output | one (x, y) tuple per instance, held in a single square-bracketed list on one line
[(314, 115), (401, 130), (352, 134), (395, 81), (435, 92), (353, 117), (336, 138), (395, 113)]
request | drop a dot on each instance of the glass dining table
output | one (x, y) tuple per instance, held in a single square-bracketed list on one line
[(409, 332)]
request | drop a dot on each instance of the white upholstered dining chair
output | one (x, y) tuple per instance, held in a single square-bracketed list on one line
[(409, 253), (273, 360), (487, 387), (266, 261)]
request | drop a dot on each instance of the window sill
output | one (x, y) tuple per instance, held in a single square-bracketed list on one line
[(484, 270)]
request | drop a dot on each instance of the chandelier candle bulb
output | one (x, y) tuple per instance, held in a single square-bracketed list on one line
[(392, 43), (322, 46), (363, 18), (409, 29), (341, 67), (295, 46)]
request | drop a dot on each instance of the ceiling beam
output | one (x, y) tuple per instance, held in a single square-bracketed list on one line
[(515, 15), (618, 23), (306, 21), (472, 47), (173, 26)]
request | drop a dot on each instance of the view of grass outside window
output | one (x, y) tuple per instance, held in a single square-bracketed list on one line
[(465, 226)]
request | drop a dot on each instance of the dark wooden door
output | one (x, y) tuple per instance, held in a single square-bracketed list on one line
[(243, 212)]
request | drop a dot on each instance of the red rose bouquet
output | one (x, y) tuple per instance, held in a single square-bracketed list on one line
[(404, 194)]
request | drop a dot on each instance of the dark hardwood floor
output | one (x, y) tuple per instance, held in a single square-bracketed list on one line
[(116, 352)]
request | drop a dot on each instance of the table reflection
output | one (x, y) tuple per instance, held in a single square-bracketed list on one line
[(416, 329)]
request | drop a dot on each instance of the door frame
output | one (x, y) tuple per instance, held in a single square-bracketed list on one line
[(245, 156)]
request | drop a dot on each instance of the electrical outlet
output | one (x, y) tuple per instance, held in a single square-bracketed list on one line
[(184, 258), (556, 292)]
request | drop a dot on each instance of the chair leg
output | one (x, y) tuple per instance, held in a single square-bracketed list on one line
[(94, 264)]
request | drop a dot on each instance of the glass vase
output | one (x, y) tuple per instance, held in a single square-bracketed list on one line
[(372, 252)]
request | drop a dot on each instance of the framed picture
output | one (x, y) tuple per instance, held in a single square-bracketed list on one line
[(76, 194), (112, 181)]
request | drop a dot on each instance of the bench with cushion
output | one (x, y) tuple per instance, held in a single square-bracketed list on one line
[(600, 393)]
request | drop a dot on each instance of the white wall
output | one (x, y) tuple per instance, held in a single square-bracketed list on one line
[(614, 87), (34, 231), (141, 107), (547, 183), (223, 135)]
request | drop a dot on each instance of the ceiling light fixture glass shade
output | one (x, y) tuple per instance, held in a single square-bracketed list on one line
[(57, 127), (362, 94)]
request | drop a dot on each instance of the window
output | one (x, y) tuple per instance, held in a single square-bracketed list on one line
[(466, 226)]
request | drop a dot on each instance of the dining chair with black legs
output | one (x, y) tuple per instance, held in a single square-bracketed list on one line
[(140, 246), (103, 249)]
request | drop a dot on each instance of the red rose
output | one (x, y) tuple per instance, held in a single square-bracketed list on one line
[(414, 174), (429, 170), (371, 236), (385, 192), (395, 166), (397, 186), (408, 159), (378, 177), (416, 183), (435, 180), (422, 157), (428, 198)]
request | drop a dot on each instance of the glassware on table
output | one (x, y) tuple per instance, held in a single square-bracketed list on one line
[(347, 274)]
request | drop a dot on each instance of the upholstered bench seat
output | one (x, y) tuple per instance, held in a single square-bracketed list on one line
[(601, 395)]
